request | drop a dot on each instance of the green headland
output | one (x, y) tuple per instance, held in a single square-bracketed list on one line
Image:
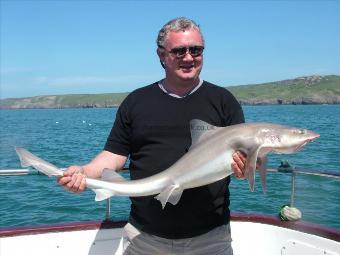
[(313, 89)]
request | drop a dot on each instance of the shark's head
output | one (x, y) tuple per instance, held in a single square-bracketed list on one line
[(287, 139)]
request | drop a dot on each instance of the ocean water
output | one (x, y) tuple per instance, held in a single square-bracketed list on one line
[(73, 136)]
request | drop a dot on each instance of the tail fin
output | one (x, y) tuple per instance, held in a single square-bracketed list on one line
[(23, 156), (28, 159)]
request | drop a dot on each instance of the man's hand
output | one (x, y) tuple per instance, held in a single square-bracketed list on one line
[(238, 165), (73, 179)]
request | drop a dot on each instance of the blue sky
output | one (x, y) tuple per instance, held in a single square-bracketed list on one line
[(61, 47)]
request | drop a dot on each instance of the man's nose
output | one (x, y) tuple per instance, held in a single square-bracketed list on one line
[(188, 57)]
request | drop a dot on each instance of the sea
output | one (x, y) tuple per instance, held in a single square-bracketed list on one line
[(66, 137)]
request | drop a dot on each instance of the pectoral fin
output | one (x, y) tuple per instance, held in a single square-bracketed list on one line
[(171, 194), (251, 166), (262, 166)]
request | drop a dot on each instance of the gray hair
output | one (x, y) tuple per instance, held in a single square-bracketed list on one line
[(177, 24)]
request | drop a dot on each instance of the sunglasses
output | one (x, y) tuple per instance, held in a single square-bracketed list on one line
[(180, 52)]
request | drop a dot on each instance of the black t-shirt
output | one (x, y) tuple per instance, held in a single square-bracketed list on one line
[(152, 128)]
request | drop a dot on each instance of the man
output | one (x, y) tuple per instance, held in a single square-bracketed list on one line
[(152, 128)]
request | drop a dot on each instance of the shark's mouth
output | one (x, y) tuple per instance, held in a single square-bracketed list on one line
[(307, 141)]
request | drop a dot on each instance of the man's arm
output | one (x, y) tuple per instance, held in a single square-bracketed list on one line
[(74, 177)]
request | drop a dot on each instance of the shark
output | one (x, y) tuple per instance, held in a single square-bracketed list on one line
[(208, 160)]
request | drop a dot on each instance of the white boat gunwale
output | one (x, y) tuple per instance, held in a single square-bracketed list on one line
[(300, 226)]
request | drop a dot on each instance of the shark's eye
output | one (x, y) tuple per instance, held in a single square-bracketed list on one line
[(302, 131)]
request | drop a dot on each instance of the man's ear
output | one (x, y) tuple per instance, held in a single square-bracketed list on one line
[(161, 55)]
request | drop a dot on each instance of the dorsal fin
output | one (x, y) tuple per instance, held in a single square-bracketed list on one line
[(200, 129), (110, 175)]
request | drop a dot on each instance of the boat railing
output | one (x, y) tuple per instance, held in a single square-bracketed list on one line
[(285, 168)]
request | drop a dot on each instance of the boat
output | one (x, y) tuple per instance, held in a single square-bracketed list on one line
[(254, 234), (251, 234)]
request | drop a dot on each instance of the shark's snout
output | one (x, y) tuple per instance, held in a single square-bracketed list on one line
[(313, 137)]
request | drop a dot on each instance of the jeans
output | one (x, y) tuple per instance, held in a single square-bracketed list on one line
[(214, 242)]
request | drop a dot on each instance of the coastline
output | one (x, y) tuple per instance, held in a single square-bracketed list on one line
[(308, 90)]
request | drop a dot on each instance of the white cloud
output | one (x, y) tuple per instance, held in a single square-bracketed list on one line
[(49, 84), (40, 80), (14, 70), (92, 80)]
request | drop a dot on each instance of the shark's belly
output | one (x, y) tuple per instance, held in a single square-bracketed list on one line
[(203, 172)]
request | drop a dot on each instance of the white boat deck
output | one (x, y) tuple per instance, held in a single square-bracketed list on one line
[(250, 236)]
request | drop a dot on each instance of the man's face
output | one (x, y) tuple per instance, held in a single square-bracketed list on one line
[(187, 67)]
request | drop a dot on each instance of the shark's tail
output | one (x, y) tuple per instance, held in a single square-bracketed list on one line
[(27, 159)]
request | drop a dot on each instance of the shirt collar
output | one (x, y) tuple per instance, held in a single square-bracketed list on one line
[(160, 84)]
